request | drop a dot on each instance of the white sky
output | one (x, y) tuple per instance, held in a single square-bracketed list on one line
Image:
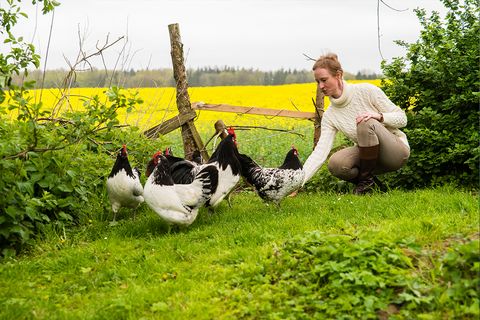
[(262, 34)]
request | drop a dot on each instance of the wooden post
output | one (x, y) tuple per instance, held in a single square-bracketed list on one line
[(191, 138), (220, 128), (319, 107)]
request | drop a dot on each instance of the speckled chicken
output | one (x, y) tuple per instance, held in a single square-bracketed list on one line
[(273, 184)]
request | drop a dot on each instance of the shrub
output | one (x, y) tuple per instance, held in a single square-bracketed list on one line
[(437, 84), (54, 168)]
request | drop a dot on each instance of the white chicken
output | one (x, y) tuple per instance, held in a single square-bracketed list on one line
[(177, 204), (123, 184)]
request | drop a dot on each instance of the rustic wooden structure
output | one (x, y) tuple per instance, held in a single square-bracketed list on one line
[(253, 110), (185, 118), (170, 125)]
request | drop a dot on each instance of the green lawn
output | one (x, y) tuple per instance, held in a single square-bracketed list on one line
[(136, 269)]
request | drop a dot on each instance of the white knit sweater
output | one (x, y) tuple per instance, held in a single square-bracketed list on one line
[(341, 114)]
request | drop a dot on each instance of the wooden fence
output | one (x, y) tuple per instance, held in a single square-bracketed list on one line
[(186, 110)]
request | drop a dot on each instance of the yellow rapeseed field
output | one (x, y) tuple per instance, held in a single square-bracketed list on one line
[(160, 104)]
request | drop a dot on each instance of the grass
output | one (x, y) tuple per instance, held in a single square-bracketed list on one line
[(137, 269)]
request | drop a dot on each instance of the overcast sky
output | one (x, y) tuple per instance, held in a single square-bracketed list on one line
[(262, 34)]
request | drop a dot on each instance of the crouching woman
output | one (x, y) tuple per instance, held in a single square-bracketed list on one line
[(368, 118)]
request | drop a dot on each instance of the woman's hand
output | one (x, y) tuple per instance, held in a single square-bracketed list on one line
[(369, 115)]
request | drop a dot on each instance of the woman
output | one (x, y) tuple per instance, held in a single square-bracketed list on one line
[(368, 118)]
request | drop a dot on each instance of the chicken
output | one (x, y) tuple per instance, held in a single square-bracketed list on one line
[(182, 171), (178, 204), (273, 184), (196, 156), (172, 160), (123, 184), (224, 160)]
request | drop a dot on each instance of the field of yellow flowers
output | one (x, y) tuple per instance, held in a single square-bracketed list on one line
[(160, 105)]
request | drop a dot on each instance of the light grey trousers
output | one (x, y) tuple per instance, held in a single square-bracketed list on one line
[(393, 153)]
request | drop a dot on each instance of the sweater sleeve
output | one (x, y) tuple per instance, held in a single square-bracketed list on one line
[(320, 153), (393, 116)]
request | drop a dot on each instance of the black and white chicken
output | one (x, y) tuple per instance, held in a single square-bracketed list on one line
[(178, 204), (182, 171), (196, 156), (224, 160), (273, 184), (123, 184)]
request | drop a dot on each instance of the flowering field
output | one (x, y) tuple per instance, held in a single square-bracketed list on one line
[(160, 105)]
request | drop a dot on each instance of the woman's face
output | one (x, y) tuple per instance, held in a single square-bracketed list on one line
[(330, 85)]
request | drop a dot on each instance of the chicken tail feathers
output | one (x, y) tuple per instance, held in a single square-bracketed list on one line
[(183, 172), (208, 176)]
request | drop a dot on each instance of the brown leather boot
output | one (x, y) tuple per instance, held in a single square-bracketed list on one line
[(368, 162)]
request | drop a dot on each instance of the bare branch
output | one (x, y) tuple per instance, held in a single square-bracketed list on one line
[(60, 120), (293, 104), (378, 23), (309, 58), (46, 55), (378, 30), (266, 128), (389, 6), (100, 51)]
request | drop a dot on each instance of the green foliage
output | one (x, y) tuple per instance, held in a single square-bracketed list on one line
[(319, 275), (458, 271), (53, 168), (52, 163), (437, 83)]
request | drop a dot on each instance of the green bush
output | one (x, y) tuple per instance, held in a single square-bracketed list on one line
[(53, 163), (437, 84), (53, 170)]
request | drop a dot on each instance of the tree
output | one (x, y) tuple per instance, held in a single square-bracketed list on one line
[(437, 83)]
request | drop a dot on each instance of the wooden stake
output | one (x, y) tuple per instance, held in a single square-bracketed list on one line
[(319, 107), (191, 138), (220, 128)]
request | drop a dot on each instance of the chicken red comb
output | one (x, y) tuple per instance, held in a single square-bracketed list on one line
[(295, 151), (124, 149), (231, 131), (155, 158)]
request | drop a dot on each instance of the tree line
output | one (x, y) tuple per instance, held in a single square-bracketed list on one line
[(201, 77)]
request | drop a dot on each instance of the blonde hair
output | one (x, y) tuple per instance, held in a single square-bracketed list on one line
[(330, 62)]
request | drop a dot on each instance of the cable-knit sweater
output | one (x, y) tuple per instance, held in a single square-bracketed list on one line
[(341, 114)]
